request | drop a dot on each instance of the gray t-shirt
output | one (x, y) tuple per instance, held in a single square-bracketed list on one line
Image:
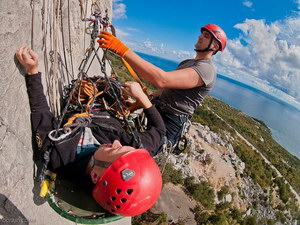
[(185, 101)]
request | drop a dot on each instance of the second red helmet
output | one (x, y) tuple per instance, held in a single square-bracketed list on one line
[(218, 34), (130, 185)]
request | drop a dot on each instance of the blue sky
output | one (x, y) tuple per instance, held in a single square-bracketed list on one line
[(263, 37)]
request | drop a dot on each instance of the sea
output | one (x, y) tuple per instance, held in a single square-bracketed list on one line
[(282, 118)]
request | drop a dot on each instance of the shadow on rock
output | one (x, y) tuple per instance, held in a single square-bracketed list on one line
[(21, 69), (10, 214)]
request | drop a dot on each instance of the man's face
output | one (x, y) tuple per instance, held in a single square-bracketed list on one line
[(204, 40), (108, 153)]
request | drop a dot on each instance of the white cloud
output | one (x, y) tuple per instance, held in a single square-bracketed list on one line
[(181, 55), (298, 3), (119, 9), (158, 49), (120, 33), (133, 29), (269, 59), (247, 3)]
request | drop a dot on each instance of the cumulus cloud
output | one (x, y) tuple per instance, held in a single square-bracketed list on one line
[(265, 55), (247, 4), (119, 9)]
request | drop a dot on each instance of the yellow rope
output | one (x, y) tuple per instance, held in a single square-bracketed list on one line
[(135, 76), (73, 118)]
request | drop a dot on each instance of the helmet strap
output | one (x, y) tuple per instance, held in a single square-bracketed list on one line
[(207, 49), (215, 52), (103, 164)]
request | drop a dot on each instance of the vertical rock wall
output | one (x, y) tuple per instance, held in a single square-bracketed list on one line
[(29, 22)]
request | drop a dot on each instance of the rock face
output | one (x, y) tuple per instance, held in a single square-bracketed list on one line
[(211, 158), (176, 204), (29, 23)]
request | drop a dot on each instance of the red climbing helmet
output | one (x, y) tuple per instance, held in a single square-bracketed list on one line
[(130, 185), (218, 33)]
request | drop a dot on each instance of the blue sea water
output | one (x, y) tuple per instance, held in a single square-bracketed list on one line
[(282, 118)]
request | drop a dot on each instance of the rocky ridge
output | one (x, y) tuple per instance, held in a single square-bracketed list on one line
[(208, 160)]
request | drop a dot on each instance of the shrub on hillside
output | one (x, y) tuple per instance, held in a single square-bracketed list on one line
[(201, 192), (172, 175)]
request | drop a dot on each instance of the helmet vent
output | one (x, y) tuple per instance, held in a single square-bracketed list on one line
[(113, 210), (104, 183), (129, 191), (118, 191), (117, 206), (108, 203), (113, 198), (123, 200)]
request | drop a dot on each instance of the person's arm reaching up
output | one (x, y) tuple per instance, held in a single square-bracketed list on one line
[(42, 120), (179, 79)]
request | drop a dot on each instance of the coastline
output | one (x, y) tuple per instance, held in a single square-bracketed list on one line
[(274, 98)]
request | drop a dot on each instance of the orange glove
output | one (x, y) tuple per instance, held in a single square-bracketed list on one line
[(109, 41)]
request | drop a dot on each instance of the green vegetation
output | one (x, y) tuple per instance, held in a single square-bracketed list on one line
[(172, 175), (255, 131), (224, 214), (201, 192), (256, 168), (258, 134), (224, 191), (284, 190), (148, 218), (123, 74)]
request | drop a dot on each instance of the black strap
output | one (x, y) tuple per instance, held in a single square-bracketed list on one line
[(207, 49), (100, 163)]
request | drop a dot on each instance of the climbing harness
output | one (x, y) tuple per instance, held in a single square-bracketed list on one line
[(180, 146), (182, 142)]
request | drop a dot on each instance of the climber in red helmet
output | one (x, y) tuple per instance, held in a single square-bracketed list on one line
[(183, 89), (124, 178)]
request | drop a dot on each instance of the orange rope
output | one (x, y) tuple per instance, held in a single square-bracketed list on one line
[(88, 91), (73, 118)]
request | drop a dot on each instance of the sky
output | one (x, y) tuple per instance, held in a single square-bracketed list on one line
[(263, 48)]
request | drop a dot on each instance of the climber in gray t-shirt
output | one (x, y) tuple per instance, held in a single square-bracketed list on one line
[(184, 101), (182, 89)]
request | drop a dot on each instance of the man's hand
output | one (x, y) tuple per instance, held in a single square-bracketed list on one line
[(135, 90), (28, 59), (109, 41)]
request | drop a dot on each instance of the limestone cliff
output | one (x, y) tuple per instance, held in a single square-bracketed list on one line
[(40, 25)]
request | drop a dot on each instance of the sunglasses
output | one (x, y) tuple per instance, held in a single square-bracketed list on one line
[(95, 162)]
